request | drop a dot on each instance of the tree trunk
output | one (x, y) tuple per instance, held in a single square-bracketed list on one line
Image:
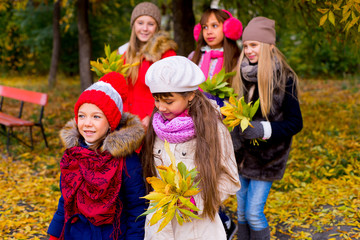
[(84, 44), (184, 22), (56, 45)]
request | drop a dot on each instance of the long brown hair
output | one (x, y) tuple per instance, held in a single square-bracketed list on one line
[(133, 54), (231, 49), (266, 79), (208, 152)]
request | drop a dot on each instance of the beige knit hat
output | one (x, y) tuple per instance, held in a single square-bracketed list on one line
[(146, 8), (260, 29), (174, 74)]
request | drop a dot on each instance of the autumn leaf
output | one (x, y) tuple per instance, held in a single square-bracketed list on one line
[(218, 86), (171, 193), (113, 62)]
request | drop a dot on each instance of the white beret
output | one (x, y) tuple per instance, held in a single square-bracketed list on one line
[(174, 74)]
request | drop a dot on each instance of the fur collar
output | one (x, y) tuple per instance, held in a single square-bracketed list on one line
[(157, 46), (119, 143)]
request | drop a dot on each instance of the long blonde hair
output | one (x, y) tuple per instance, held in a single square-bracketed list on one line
[(133, 54), (208, 152), (268, 76)]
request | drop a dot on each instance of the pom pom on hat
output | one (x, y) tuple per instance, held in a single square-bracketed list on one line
[(174, 74), (108, 94), (260, 29), (233, 28), (146, 8)]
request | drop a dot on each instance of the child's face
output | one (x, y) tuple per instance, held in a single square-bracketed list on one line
[(213, 32), (145, 27), (252, 50), (172, 106), (92, 122)]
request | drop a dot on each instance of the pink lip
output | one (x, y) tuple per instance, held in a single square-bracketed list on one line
[(89, 132), (210, 39)]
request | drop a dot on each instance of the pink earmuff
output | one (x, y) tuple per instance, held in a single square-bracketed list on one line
[(232, 28)]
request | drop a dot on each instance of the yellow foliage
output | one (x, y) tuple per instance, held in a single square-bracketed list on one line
[(113, 62), (171, 193), (345, 8), (320, 191)]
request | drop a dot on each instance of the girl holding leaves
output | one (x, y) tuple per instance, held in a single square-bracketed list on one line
[(186, 119), (263, 74)]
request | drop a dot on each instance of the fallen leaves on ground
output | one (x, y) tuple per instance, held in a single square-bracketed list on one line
[(320, 192)]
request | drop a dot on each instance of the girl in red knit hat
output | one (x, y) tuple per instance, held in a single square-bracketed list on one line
[(147, 45), (101, 177)]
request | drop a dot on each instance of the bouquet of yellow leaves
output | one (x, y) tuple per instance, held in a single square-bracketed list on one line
[(113, 62), (239, 112), (172, 193)]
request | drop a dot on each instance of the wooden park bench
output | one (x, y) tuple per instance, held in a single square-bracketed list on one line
[(8, 121)]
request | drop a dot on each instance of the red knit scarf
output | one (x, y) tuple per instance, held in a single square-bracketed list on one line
[(90, 185)]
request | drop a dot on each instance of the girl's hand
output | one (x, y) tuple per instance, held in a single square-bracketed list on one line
[(145, 122), (253, 133)]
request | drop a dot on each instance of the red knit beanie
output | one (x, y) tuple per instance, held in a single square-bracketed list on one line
[(108, 94)]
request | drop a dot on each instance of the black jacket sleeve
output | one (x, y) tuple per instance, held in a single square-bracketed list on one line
[(292, 122)]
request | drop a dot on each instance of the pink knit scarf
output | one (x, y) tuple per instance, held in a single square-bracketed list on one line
[(205, 65), (178, 130)]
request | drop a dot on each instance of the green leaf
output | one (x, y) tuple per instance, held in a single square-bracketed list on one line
[(182, 169), (107, 51), (189, 213), (332, 17), (323, 20), (179, 219), (323, 10), (113, 66), (345, 17), (150, 210), (254, 108), (188, 204), (113, 57), (352, 23)]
